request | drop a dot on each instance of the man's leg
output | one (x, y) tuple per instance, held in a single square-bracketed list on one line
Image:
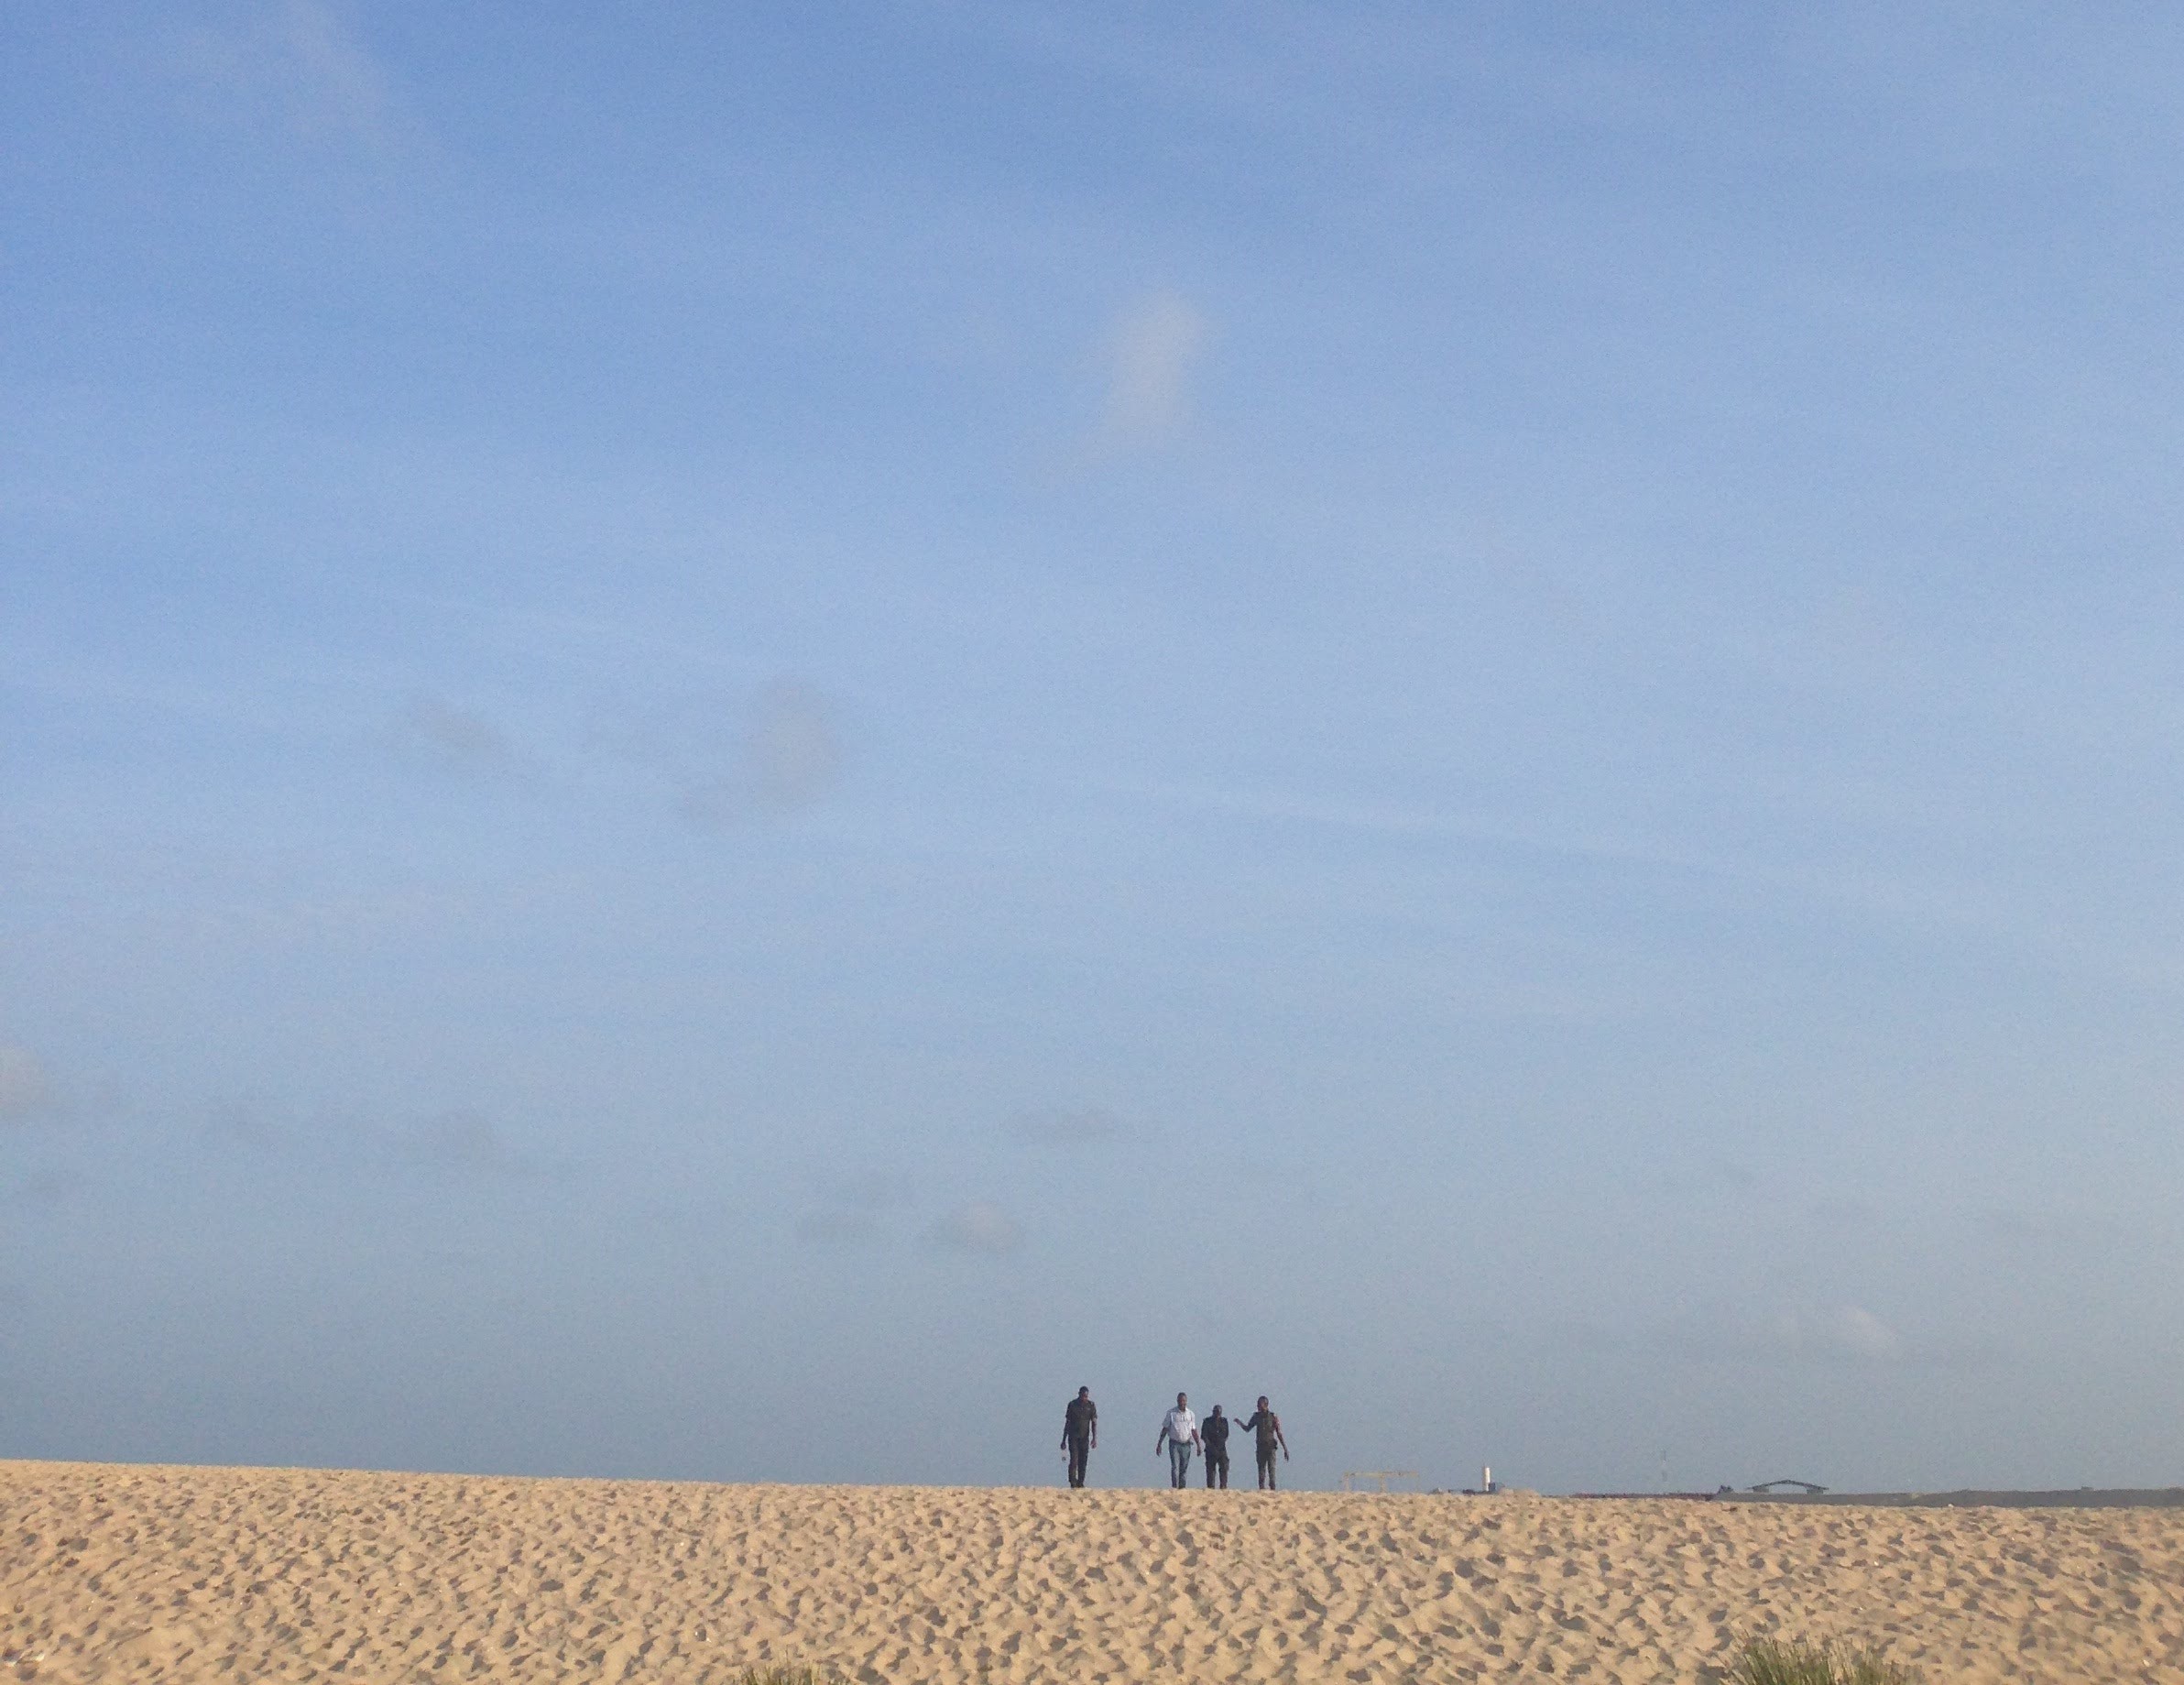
[(1266, 1472), (1179, 1463), (1210, 1470), (1080, 1453)]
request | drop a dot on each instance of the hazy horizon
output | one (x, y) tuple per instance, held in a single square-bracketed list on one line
[(735, 741)]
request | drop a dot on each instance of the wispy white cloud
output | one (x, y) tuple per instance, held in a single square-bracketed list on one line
[(840, 1226), (241, 922), (456, 737), (1067, 1129), (854, 1211), (463, 1142), (456, 1143), (305, 58), (1825, 1334), (39, 1190), (245, 1124), (1770, 1335), (979, 1227), (793, 749), (1150, 357), (789, 756), (2027, 1233), (335, 78), (1908, 895), (26, 1085), (1847, 1330)]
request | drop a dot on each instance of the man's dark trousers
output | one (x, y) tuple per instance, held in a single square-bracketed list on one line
[(1216, 1462), (1080, 1452), (1266, 1468)]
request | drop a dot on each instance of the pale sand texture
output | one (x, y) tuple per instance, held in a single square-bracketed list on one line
[(120, 1572)]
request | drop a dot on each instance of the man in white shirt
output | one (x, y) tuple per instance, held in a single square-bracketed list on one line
[(1179, 1433)]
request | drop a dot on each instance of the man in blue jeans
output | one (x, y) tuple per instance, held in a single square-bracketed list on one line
[(1179, 1433)]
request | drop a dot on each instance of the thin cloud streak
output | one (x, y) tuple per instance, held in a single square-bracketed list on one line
[(1895, 898), (460, 1144), (1091, 1127), (979, 1227), (458, 738), (839, 1228), (1823, 1334), (854, 1210)]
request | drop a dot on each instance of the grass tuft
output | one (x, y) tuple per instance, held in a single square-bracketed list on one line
[(779, 1675), (1799, 1661)]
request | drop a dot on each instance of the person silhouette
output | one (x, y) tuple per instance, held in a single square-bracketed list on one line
[(1179, 1433), (1080, 1433), (1267, 1425), (1213, 1434)]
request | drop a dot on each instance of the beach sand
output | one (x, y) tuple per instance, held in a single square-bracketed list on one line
[(113, 1573)]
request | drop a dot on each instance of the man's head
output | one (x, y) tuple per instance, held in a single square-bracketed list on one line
[(1084, 1392), (1216, 1410), (1181, 1400), (1263, 1401)]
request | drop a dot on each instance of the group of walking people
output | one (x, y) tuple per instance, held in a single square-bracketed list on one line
[(1181, 1434)]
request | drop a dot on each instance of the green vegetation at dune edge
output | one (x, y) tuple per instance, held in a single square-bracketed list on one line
[(1797, 1661)]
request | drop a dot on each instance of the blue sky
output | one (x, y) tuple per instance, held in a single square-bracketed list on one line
[(733, 739)]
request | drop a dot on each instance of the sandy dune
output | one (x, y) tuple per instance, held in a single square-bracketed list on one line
[(115, 1572)]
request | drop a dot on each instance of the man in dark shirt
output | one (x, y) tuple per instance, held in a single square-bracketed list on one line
[(1268, 1427), (1080, 1433), (1213, 1433)]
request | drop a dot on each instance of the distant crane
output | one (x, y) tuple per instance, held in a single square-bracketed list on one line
[(1379, 1477)]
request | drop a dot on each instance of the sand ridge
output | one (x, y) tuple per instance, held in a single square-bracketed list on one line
[(129, 1572)]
